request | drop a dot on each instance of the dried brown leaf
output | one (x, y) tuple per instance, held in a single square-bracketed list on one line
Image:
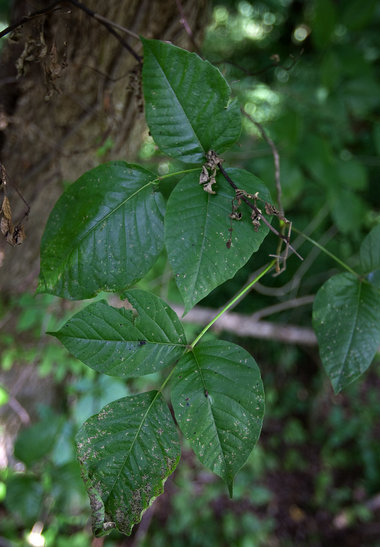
[(6, 208), (5, 226)]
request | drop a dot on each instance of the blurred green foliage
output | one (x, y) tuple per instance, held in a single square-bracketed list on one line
[(4, 9), (308, 72)]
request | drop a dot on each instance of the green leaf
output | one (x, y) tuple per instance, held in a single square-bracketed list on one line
[(119, 342), (370, 251), (187, 101), (35, 442), (104, 233), (197, 229), (347, 209), (126, 453), (324, 23), (25, 498), (357, 14), (4, 396), (218, 400), (346, 319)]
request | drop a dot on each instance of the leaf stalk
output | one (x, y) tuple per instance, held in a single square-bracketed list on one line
[(233, 301)]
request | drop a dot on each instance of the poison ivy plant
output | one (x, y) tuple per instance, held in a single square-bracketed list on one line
[(106, 232), (346, 317)]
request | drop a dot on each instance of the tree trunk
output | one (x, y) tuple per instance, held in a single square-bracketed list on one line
[(66, 87)]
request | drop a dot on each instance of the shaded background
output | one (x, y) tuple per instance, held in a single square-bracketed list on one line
[(307, 73)]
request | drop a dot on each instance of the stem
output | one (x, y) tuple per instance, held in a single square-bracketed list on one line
[(158, 179), (101, 20), (276, 159), (27, 18), (160, 389), (323, 249), (111, 30), (232, 302)]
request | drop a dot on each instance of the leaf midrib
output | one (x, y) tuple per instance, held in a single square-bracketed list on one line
[(77, 241), (132, 444), (211, 410), (79, 338), (349, 343), (196, 275), (179, 102)]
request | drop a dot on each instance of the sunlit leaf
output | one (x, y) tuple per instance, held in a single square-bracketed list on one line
[(187, 102), (218, 400), (122, 342), (346, 319), (126, 453), (104, 233)]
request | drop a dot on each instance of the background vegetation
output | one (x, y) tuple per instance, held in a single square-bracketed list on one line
[(308, 73)]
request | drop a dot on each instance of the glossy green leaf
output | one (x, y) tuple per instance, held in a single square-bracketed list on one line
[(370, 251), (187, 102), (346, 319), (104, 233), (126, 453), (122, 342), (197, 229), (218, 400)]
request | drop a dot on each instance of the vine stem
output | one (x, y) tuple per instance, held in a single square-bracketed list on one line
[(184, 172), (233, 301), (324, 250)]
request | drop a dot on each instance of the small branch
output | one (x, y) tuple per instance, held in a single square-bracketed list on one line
[(331, 255), (239, 296), (29, 17), (108, 26), (258, 213), (244, 325), (274, 64), (101, 20), (276, 158), (19, 410), (186, 24), (282, 306)]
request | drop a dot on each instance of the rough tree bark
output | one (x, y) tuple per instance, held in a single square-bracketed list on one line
[(65, 86)]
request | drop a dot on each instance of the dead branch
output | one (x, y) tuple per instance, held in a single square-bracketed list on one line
[(244, 325)]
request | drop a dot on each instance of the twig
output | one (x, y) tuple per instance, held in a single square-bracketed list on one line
[(276, 158), (108, 26), (101, 20), (20, 410), (244, 325), (116, 25), (29, 17), (258, 212), (295, 282), (282, 306), (277, 176), (186, 24), (274, 64)]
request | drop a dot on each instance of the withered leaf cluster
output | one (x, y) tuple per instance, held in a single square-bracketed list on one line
[(208, 173)]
